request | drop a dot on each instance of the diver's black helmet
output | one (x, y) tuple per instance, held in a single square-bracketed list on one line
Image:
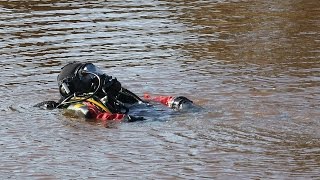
[(77, 77)]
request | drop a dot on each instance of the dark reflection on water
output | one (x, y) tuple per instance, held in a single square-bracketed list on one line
[(253, 65)]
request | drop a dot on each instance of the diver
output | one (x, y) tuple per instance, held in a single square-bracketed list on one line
[(89, 92)]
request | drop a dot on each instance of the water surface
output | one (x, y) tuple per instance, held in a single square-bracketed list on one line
[(254, 66)]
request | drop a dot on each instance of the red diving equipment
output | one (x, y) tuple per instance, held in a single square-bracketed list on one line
[(165, 100), (100, 115), (176, 103)]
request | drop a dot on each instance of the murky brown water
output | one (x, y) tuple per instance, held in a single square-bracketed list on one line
[(254, 66)]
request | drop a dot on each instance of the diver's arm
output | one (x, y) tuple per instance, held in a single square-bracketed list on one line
[(176, 103), (127, 96)]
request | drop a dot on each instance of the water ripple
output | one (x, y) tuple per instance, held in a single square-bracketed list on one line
[(252, 65)]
